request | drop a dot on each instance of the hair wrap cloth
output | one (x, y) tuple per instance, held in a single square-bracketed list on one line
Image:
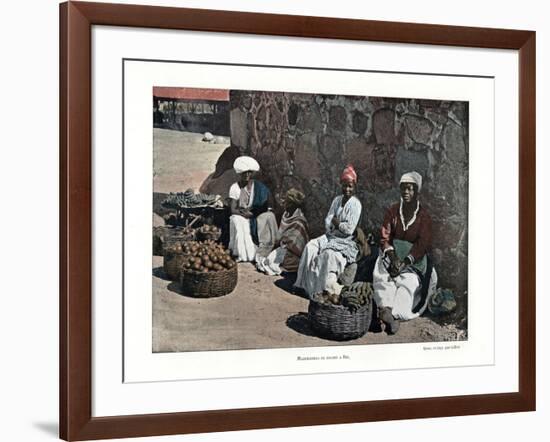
[(349, 174), (412, 177), (244, 164), (295, 197)]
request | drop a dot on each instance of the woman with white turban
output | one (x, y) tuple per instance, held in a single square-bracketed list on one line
[(402, 265), (252, 226), (325, 258)]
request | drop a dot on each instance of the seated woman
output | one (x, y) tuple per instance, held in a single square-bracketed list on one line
[(406, 238), (292, 238), (326, 257), (252, 226)]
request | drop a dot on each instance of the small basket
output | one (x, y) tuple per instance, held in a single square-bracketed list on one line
[(177, 234), (337, 322), (208, 285), (209, 236)]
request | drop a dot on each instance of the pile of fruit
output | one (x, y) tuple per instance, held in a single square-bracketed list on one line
[(209, 229), (181, 200), (353, 297), (205, 256), (207, 232)]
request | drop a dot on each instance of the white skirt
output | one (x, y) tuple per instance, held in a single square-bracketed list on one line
[(401, 293), (319, 271)]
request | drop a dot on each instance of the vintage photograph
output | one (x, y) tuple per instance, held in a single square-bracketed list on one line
[(285, 219)]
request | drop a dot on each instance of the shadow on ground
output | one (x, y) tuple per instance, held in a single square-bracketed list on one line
[(159, 273), (174, 287), (286, 283), (300, 324)]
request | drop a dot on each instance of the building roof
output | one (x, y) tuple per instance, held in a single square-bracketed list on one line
[(190, 93)]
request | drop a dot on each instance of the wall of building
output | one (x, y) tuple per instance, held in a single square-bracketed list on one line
[(305, 141)]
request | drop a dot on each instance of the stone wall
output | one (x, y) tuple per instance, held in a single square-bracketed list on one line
[(305, 141)]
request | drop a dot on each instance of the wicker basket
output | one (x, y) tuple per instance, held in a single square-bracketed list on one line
[(172, 264), (337, 323), (209, 236), (158, 234), (208, 285), (177, 234)]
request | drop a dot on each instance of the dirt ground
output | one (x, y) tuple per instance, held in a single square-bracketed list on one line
[(262, 312), (181, 160)]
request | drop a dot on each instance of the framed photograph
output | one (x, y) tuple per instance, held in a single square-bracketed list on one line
[(272, 221)]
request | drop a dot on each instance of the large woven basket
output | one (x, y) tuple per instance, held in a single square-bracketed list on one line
[(208, 285), (172, 264), (337, 322)]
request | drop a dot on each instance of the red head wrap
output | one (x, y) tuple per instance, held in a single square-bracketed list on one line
[(349, 174)]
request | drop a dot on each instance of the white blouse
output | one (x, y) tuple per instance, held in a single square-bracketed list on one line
[(348, 215), (235, 193)]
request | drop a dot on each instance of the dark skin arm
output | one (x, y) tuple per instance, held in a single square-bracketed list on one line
[(396, 265), (235, 210), (292, 249)]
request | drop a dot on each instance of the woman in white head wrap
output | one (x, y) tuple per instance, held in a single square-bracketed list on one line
[(406, 238), (252, 226)]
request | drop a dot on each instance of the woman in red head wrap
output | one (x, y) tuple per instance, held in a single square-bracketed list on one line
[(349, 174), (326, 257)]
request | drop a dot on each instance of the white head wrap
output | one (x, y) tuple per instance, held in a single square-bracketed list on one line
[(244, 163), (412, 177)]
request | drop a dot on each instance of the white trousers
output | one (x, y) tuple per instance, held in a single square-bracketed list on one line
[(319, 271), (399, 293), (242, 246)]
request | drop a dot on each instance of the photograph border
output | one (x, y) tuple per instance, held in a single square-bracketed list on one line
[(76, 21)]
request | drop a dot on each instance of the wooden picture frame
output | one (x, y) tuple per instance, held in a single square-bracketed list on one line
[(76, 20)]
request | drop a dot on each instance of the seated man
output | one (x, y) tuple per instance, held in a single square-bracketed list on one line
[(402, 265), (292, 238), (252, 226)]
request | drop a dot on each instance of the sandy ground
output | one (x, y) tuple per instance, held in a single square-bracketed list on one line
[(181, 160), (262, 312)]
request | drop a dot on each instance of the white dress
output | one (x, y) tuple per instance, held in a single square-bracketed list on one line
[(321, 265)]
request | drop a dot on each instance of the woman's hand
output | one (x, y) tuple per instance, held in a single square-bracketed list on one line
[(396, 265), (335, 222), (293, 249)]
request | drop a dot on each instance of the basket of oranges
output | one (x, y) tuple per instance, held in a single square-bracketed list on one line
[(209, 233), (207, 270)]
